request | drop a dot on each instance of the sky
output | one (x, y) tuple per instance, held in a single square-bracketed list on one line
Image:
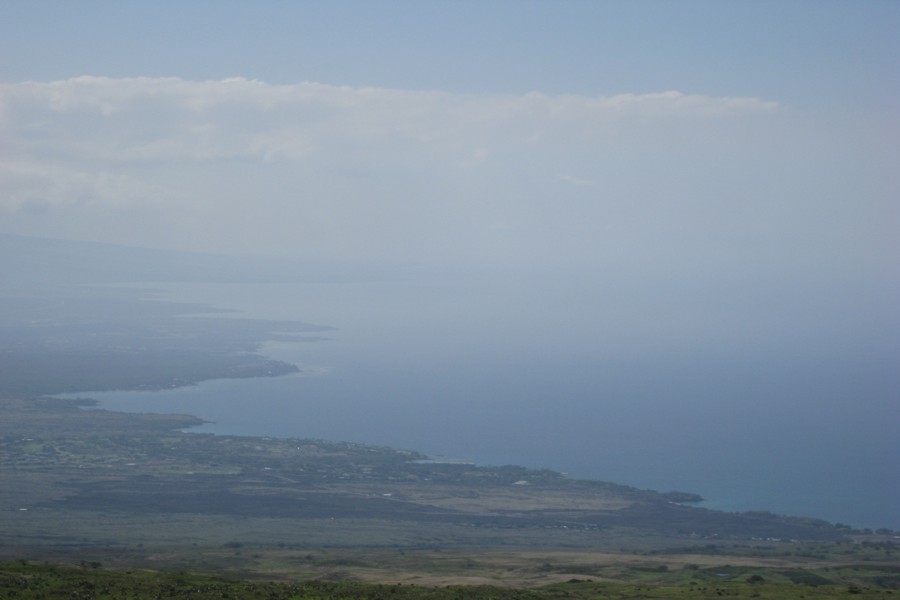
[(526, 133)]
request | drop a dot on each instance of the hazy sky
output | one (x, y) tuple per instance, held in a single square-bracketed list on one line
[(738, 135)]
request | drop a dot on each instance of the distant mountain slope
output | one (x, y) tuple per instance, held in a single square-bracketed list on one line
[(33, 261), (30, 260)]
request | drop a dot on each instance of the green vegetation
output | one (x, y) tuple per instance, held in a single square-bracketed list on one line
[(30, 581)]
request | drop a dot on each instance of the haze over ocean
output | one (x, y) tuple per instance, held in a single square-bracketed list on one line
[(476, 370)]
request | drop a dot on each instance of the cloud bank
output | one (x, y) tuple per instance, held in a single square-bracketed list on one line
[(143, 119), (318, 170)]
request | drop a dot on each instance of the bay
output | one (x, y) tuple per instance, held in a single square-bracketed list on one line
[(569, 378)]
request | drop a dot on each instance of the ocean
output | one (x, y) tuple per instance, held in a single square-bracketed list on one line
[(575, 379)]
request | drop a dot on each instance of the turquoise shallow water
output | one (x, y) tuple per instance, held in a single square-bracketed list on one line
[(470, 374)]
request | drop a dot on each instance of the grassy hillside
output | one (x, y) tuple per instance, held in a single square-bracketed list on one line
[(28, 581)]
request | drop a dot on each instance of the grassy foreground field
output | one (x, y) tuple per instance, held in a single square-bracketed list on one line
[(26, 581)]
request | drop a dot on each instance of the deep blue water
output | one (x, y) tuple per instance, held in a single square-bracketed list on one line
[(578, 383)]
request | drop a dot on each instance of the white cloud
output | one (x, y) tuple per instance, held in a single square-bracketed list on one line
[(30, 184), (168, 118), (575, 180), (332, 170)]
